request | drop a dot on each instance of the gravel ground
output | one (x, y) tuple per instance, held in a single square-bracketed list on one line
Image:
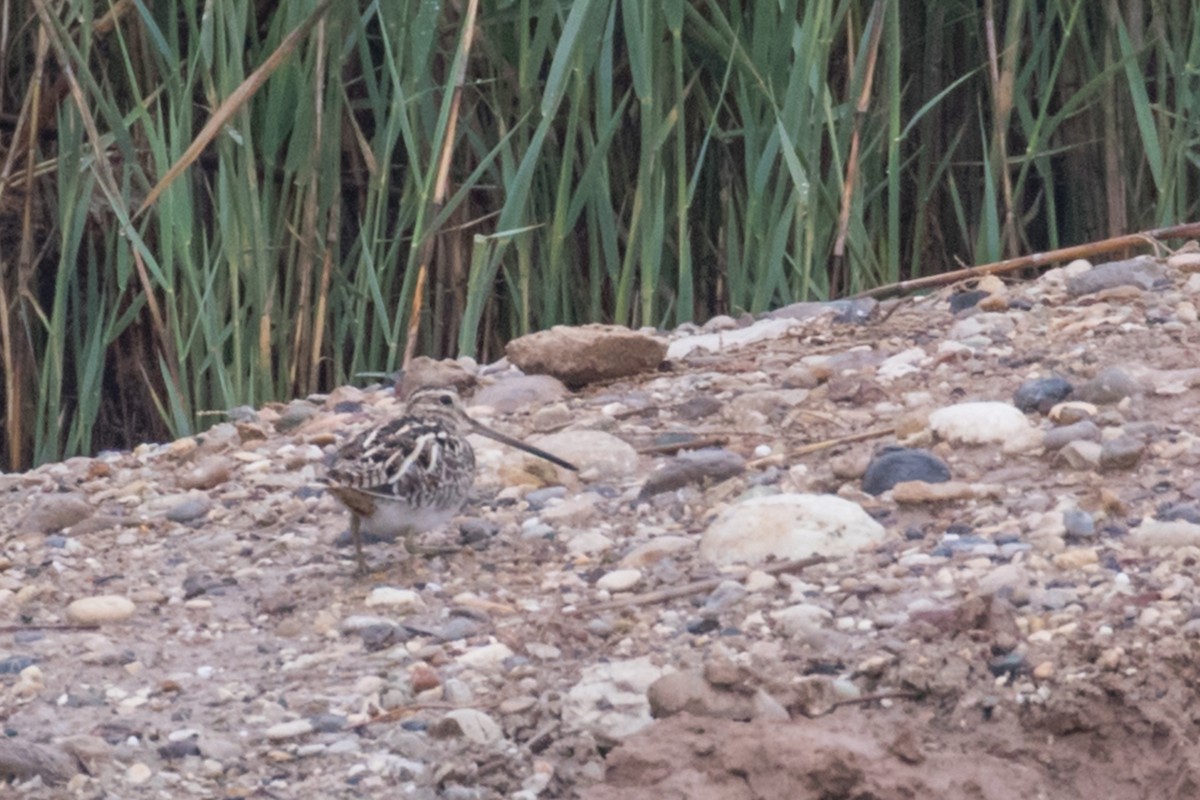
[(743, 593)]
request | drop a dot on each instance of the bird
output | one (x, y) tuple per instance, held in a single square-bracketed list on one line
[(411, 474)]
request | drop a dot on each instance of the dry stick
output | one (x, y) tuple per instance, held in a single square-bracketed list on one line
[(860, 113), (661, 595), (871, 698), (669, 448), (854, 437), (403, 711), (49, 627), (1101, 247), (441, 185)]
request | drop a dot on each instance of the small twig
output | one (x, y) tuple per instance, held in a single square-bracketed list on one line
[(1187, 230), (662, 595), (671, 448), (871, 698), (402, 712), (854, 437), (903, 301), (48, 627)]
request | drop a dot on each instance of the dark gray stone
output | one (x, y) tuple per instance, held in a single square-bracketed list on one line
[(1143, 272), (1124, 452), (896, 465), (1042, 394), (711, 463), (1085, 430)]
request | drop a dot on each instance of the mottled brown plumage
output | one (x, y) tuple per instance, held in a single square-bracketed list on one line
[(412, 474)]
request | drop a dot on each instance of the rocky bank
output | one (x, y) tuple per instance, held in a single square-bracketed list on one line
[(940, 547)]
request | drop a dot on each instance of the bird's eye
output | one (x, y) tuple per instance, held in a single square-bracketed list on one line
[(446, 400)]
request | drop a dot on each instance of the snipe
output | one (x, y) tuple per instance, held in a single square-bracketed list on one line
[(412, 474)]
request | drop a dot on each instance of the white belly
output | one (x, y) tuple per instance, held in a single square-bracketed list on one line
[(392, 519)]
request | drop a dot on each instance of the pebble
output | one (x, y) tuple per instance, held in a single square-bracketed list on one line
[(1042, 394), (895, 465), (727, 595), (513, 393), (1121, 453), (486, 658), (620, 580), (138, 773), (697, 407), (610, 699), (402, 601), (470, 723), (985, 423), (54, 511), (191, 509), (759, 581), (207, 474), (1111, 385), (802, 621), (1056, 438), (101, 608), (1141, 272), (1174, 533), (1080, 454), (1078, 524), (599, 455), (711, 464), (293, 729), (13, 665), (1076, 558), (788, 526)]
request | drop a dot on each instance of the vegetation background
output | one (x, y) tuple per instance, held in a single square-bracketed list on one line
[(210, 204)]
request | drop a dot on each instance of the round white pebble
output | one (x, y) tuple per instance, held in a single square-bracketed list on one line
[(619, 580), (400, 599), (138, 773), (102, 608)]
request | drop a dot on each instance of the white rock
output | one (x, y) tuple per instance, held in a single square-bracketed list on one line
[(138, 773), (401, 599), (588, 543), (288, 730), (476, 725), (574, 510), (725, 340), (985, 423), (619, 580), (903, 363), (759, 581), (609, 701), (1173, 533), (601, 454), (101, 608), (788, 526), (485, 658), (1003, 576), (801, 621)]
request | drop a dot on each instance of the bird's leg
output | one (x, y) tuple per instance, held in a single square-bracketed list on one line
[(356, 535), (410, 547)]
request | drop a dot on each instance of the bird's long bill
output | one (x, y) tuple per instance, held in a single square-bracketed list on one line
[(483, 430)]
